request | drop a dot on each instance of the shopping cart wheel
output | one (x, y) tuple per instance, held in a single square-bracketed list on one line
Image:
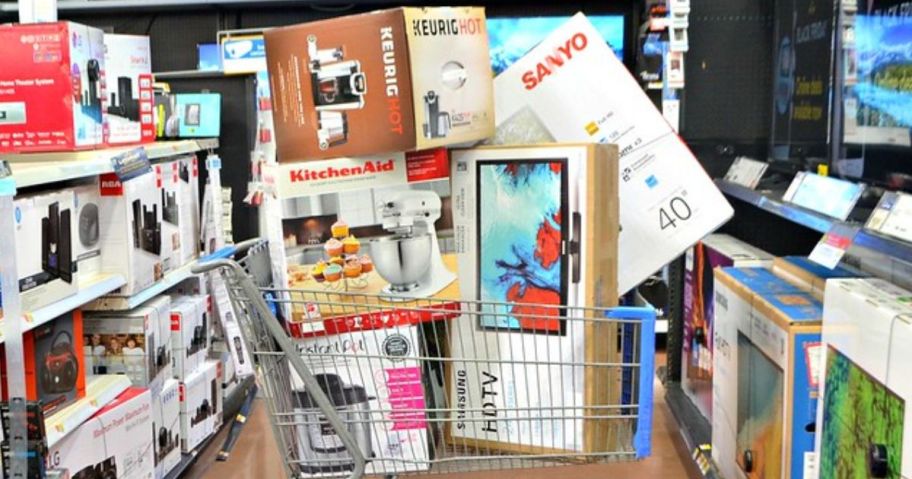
[(877, 458)]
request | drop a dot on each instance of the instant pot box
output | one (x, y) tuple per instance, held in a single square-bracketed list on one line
[(44, 248), (114, 443), (810, 276), (131, 230), (136, 343), (54, 366), (535, 225), (716, 250), (166, 428), (571, 87), (128, 73), (370, 373), (52, 87), (766, 381), (200, 405), (390, 80), (190, 326)]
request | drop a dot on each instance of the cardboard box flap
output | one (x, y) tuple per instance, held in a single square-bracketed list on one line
[(789, 308)]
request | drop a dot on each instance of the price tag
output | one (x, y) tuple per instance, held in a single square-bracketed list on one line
[(746, 172), (213, 162), (833, 246), (130, 164)]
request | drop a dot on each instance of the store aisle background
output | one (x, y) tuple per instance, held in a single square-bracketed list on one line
[(256, 454)]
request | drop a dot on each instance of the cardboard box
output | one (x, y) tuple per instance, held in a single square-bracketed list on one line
[(867, 324), (571, 87), (53, 87), (166, 428), (546, 219), (200, 405), (172, 201), (114, 443), (766, 375), (809, 275), (136, 343), (199, 114), (190, 326), (87, 244), (54, 366), (128, 69), (131, 230), (44, 248), (696, 364), (189, 203), (379, 372), (391, 80)]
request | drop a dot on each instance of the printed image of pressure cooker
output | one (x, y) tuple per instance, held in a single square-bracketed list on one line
[(320, 448), (59, 369)]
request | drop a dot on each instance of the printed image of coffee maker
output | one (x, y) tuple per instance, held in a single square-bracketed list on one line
[(337, 85)]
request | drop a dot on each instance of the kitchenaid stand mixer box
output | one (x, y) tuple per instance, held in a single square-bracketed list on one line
[(128, 70), (391, 80), (571, 87), (51, 87), (539, 225)]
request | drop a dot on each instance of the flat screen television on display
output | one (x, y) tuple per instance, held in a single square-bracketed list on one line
[(512, 37)]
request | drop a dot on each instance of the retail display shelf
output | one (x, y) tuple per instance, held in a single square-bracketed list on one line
[(124, 303), (100, 390), (31, 169), (94, 289), (695, 429), (771, 202)]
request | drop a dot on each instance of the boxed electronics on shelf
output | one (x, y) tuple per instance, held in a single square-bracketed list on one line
[(166, 428), (136, 343), (114, 443), (199, 114), (44, 248), (87, 243), (378, 225), (51, 87), (534, 225), (200, 405), (128, 76), (370, 374), (190, 323), (808, 275), (765, 374), (187, 169), (54, 366), (131, 229), (716, 250), (571, 87), (430, 71), (179, 206), (864, 416)]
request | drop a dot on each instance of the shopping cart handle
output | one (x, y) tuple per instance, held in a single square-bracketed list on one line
[(214, 260)]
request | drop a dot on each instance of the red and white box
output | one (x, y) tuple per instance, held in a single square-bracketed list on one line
[(190, 325), (52, 87), (128, 68), (200, 405)]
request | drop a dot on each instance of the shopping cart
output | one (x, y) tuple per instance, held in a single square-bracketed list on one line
[(355, 384)]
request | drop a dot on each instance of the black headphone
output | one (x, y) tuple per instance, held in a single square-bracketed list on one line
[(59, 370)]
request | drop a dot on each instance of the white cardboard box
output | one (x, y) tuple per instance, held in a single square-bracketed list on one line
[(190, 326), (45, 228), (378, 364), (166, 428), (131, 224), (128, 73), (200, 405), (188, 176), (170, 203), (136, 343), (114, 443), (572, 88)]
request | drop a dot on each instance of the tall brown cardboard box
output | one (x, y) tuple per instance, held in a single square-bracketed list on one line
[(391, 80)]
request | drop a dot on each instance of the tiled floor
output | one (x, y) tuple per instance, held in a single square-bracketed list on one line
[(255, 455)]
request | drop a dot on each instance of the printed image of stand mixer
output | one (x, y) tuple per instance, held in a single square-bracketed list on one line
[(338, 85), (409, 259)]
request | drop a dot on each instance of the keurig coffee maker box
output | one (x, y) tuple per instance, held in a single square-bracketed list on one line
[(535, 225), (136, 343), (166, 428), (391, 80), (45, 230), (51, 87), (131, 230), (54, 367), (128, 73), (200, 405)]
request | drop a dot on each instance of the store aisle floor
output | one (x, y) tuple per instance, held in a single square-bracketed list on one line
[(255, 455)]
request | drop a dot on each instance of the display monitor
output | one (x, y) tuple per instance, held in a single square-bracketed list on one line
[(511, 37)]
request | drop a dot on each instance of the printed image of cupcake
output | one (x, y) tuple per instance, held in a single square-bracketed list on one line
[(366, 264), (352, 268), (332, 273), (317, 271), (337, 260), (333, 247), (339, 229), (351, 245)]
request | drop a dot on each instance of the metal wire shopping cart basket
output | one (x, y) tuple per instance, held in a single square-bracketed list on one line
[(357, 384)]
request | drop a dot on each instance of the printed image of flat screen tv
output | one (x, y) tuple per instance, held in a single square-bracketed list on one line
[(512, 37), (522, 214)]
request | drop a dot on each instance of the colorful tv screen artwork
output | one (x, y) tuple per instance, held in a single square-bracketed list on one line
[(858, 412), (512, 37), (522, 207)]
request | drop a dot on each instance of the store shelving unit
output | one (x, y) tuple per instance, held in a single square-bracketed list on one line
[(100, 390), (123, 303), (95, 288)]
